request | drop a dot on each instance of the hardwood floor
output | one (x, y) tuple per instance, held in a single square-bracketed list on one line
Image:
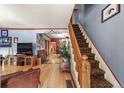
[(54, 58), (51, 76)]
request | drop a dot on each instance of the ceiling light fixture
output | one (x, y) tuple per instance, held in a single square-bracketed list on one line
[(52, 31)]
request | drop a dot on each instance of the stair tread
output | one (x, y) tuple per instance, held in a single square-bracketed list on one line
[(88, 54), (85, 48), (77, 28), (100, 83), (93, 61), (74, 24), (80, 37), (78, 32), (81, 40), (96, 71), (82, 43)]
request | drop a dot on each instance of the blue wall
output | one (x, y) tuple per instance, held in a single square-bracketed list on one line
[(108, 37), (23, 36)]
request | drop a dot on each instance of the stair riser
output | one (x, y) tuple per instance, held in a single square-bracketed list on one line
[(81, 40), (82, 44), (74, 25), (94, 65), (97, 76), (100, 86), (85, 50), (76, 28), (78, 33), (79, 37), (91, 58)]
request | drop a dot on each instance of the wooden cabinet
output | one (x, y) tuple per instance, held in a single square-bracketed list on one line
[(1, 59), (64, 66), (25, 60)]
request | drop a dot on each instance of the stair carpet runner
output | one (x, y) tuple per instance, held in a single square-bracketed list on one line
[(97, 74)]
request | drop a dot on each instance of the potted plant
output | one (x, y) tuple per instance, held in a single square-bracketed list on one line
[(65, 66), (64, 52)]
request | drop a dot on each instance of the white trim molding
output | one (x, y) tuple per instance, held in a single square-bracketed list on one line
[(108, 74), (73, 67)]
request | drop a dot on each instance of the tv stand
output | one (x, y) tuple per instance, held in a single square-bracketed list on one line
[(25, 60)]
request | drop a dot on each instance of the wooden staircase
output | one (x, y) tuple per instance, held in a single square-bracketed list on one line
[(97, 79)]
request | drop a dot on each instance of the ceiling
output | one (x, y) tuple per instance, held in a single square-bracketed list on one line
[(35, 15), (55, 33), (59, 35)]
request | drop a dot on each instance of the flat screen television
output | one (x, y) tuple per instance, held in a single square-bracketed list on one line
[(5, 41), (25, 48)]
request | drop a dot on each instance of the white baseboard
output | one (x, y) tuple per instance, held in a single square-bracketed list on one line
[(108, 74)]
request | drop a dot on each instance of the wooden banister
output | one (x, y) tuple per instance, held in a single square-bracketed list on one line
[(85, 71), (82, 64)]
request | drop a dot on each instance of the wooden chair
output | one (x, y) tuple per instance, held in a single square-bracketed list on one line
[(42, 56), (23, 79)]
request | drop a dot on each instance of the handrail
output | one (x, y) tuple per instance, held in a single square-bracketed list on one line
[(82, 64)]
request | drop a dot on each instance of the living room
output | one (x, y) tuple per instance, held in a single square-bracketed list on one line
[(23, 50)]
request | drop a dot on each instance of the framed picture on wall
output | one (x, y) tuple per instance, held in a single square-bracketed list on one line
[(5, 41), (109, 11), (4, 33), (15, 39)]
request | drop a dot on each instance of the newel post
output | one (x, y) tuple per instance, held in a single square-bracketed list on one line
[(85, 79)]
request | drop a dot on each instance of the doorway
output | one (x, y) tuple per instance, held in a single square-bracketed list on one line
[(53, 47)]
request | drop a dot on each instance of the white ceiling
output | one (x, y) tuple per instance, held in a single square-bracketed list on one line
[(35, 15), (57, 35)]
